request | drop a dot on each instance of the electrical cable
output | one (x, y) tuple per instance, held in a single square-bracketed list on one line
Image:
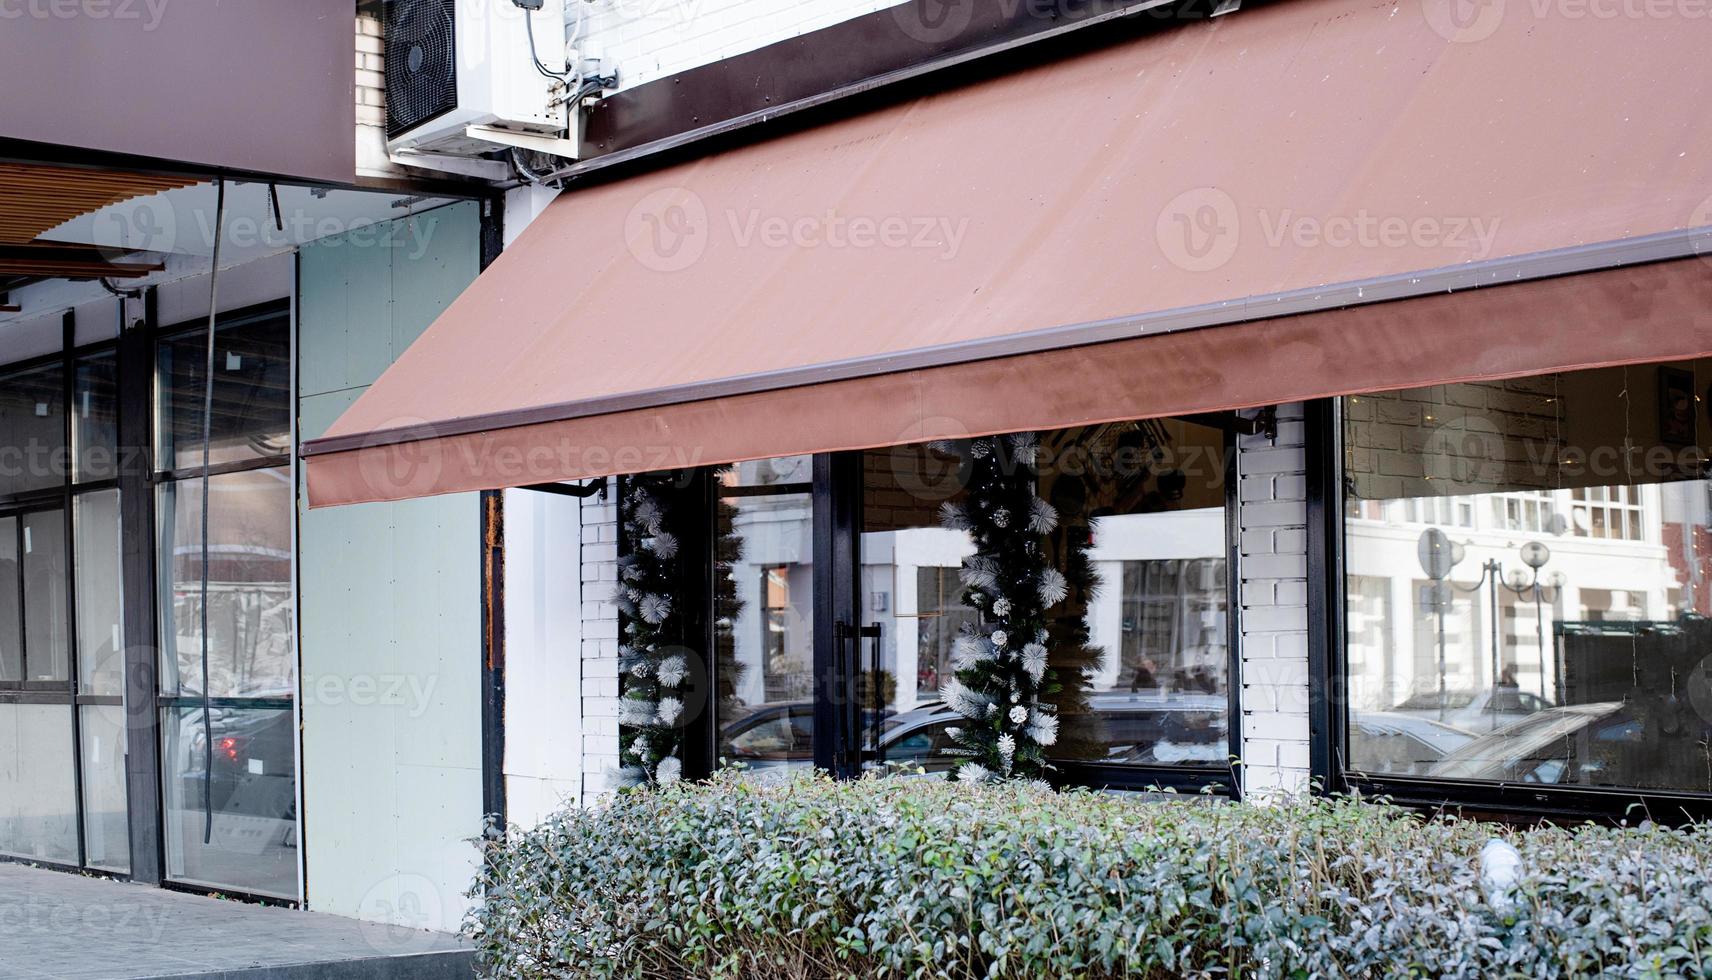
[(529, 27), (207, 442)]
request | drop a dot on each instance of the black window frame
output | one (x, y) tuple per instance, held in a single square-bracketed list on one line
[(1328, 666), (62, 498), (161, 474)]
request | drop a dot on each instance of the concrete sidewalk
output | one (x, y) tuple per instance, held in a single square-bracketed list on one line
[(68, 927)]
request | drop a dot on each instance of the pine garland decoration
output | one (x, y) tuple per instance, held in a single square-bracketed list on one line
[(1004, 685), (653, 668)]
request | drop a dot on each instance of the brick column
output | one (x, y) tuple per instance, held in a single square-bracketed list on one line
[(1272, 513)]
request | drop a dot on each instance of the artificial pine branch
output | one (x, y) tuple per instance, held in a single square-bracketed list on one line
[(653, 666), (1003, 674)]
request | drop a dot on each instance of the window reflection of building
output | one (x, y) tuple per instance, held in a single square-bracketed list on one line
[(1151, 683), (764, 612), (1173, 625), (1588, 679)]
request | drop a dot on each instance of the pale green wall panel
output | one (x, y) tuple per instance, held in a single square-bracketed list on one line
[(391, 604)]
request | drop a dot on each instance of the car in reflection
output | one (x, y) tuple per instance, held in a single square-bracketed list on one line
[(1647, 745), (1127, 728), (253, 769), (1392, 743), (775, 736), (1474, 711)]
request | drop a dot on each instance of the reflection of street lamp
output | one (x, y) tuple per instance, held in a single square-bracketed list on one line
[(1535, 555), (1439, 555)]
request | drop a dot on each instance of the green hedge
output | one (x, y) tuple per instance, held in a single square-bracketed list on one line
[(916, 878)]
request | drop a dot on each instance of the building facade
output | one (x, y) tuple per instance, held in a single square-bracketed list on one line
[(1373, 403)]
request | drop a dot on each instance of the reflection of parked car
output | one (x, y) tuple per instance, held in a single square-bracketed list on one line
[(1398, 744), (1475, 711), (1131, 729), (253, 763), (773, 736), (1600, 744)]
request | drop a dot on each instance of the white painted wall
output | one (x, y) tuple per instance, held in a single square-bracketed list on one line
[(544, 732), (651, 39), (391, 610)]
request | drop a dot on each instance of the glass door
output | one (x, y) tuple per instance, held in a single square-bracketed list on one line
[(764, 616)]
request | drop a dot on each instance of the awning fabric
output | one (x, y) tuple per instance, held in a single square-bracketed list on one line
[(988, 259)]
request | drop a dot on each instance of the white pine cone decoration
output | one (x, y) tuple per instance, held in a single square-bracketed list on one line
[(1001, 607), (1000, 639), (980, 449), (1019, 714), (1007, 746)]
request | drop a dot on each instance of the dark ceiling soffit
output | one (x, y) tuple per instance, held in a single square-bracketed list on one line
[(1494, 272), (846, 59), (53, 260)]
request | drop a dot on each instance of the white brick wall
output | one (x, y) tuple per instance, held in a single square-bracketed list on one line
[(650, 39), (599, 643), (372, 160), (1272, 568)]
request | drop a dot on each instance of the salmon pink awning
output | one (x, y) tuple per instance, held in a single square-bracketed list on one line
[(1202, 218)]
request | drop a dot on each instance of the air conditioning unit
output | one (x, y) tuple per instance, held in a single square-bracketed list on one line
[(462, 81)]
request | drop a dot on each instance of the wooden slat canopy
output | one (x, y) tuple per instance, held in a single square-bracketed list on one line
[(35, 199)]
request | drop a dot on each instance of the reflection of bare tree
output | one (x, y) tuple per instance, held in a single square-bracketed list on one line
[(250, 610)]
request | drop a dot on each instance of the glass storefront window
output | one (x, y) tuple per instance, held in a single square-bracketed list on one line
[(38, 804), (1530, 579), (252, 385), (47, 640), (32, 429), (100, 663), (11, 604), (249, 590), (95, 417), (231, 803), (1150, 687), (764, 614), (107, 836)]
